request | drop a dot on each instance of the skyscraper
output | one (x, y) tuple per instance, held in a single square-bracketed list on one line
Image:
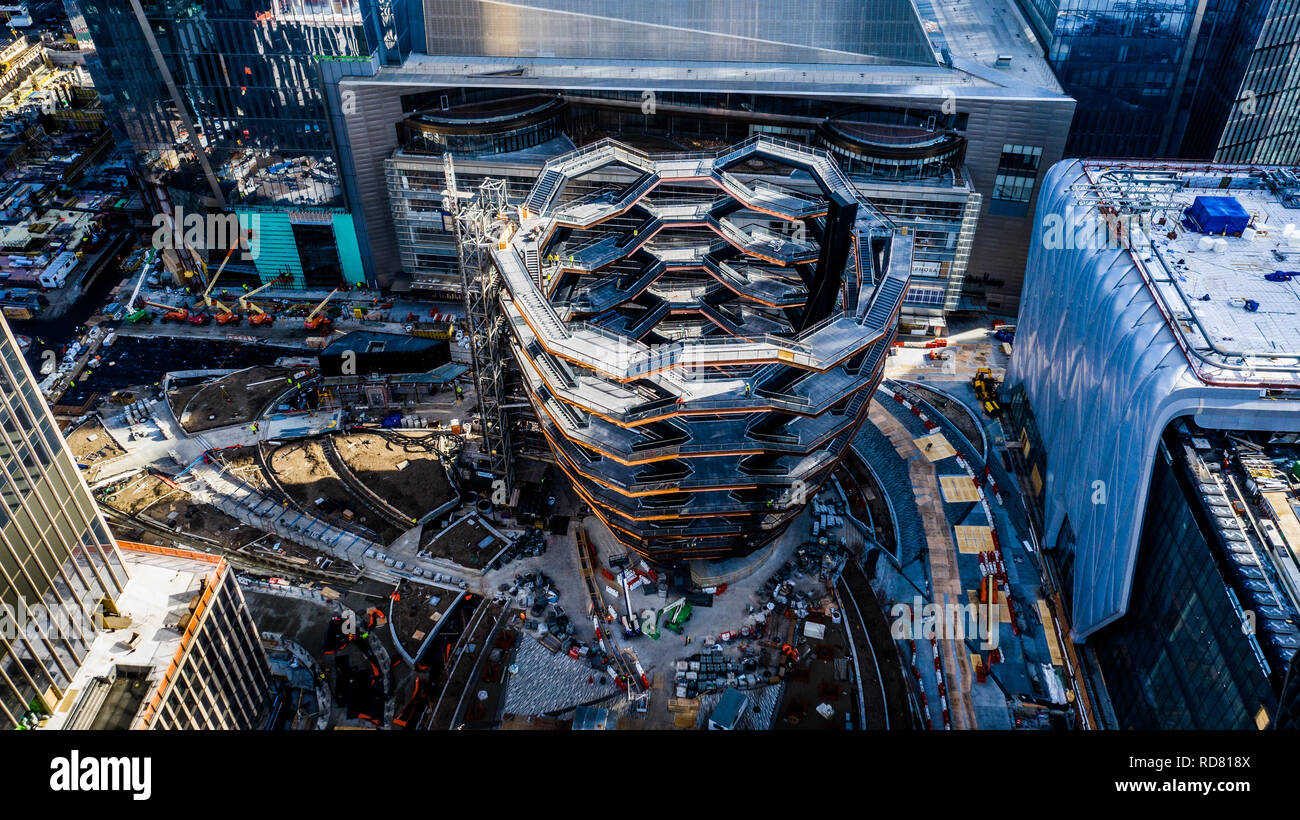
[(1153, 392), (94, 634), (221, 106), (180, 651), (1177, 78), (57, 558)]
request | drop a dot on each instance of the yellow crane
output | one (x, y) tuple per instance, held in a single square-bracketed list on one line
[(314, 320), (257, 315), (207, 293)]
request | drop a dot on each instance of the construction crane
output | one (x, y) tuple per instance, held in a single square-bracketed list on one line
[(314, 320)]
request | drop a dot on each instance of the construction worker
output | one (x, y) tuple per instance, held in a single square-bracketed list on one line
[(748, 388)]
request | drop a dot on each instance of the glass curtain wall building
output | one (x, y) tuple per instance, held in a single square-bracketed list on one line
[(965, 125), (1160, 463), (220, 101), (57, 558), (198, 662), (1177, 78), (909, 163)]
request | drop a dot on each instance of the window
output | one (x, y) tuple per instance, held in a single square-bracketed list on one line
[(925, 295)]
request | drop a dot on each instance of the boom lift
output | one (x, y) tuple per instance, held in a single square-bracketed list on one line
[(225, 316), (207, 293), (314, 320), (169, 313), (256, 316)]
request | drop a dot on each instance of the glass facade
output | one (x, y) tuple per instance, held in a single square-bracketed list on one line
[(823, 31), (242, 74), (57, 558), (1176, 78), (908, 162), (1179, 659), (225, 678)]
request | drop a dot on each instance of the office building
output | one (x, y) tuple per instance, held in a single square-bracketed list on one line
[(1177, 79), (938, 113), (221, 107), (57, 558), (94, 634), (700, 342), (180, 651), (912, 172), (1154, 391)]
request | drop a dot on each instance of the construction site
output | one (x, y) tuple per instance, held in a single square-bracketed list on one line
[(633, 477)]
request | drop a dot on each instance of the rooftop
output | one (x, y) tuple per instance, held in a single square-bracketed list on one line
[(968, 77), (107, 690), (1234, 324)]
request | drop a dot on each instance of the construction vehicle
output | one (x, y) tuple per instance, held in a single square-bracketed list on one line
[(256, 316), (171, 314), (207, 292), (316, 321), (681, 613), (225, 316), (986, 391), (198, 318), (140, 315)]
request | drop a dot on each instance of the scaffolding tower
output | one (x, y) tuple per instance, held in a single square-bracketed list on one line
[(480, 220)]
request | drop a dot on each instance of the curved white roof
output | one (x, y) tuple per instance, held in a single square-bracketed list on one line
[(1106, 365)]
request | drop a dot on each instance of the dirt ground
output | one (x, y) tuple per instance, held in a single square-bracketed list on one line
[(233, 399), (151, 497), (460, 543), (93, 453), (415, 489), (242, 463), (301, 468), (417, 611)]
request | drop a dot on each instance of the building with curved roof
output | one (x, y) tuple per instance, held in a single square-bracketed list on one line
[(1154, 391), (700, 349)]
